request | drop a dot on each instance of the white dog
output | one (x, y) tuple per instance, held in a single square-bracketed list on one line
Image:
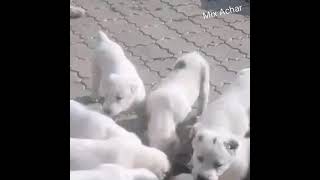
[(172, 100), (220, 149), (112, 172), (115, 78), (88, 124), (89, 153)]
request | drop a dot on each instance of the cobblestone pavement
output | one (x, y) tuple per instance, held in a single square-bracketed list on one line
[(153, 33)]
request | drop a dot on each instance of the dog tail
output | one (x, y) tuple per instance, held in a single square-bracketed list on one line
[(204, 87), (103, 37)]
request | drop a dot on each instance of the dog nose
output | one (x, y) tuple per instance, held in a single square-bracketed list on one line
[(200, 177)]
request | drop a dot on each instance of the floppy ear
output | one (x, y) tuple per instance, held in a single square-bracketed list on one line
[(231, 145), (180, 65)]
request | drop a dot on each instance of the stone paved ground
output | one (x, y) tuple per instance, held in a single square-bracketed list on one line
[(153, 33)]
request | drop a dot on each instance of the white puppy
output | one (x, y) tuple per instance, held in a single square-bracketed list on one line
[(112, 172), (220, 155), (115, 78), (88, 124), (172, 100), (219, 147), (89, 153)]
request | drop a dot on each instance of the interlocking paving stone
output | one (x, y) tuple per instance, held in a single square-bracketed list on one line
[(150, 52), (176, 46), (134, 38), (159, 31)]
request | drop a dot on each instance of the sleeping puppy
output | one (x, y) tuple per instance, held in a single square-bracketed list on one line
[(89, 153), (112, 172), (115, 78), (172, 100), (88, 124), (220, 148)]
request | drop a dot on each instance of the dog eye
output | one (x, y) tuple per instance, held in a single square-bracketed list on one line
[(200, 159), (118, 98), (217, 165)]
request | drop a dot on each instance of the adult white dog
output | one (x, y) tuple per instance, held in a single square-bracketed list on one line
[(89, 153), (172, 100), (112, 172), (115, 78), (220, 149), (89, 124)]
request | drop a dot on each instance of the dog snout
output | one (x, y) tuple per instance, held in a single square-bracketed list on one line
[(201, 177)]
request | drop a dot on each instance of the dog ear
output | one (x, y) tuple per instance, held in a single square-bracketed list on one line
[(231, 145), (180, 65)]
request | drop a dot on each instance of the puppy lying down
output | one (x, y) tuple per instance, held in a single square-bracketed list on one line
[(112, 172), (89, 124), (89, 153)]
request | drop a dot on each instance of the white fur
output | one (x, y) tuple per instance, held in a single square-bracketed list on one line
[(112, 172), (89, 153), (86, 123), (172, 100), (113, 75), (183, 176), (224, 124)]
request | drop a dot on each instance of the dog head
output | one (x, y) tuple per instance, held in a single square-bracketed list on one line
[(213, 153), (120, 93)]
